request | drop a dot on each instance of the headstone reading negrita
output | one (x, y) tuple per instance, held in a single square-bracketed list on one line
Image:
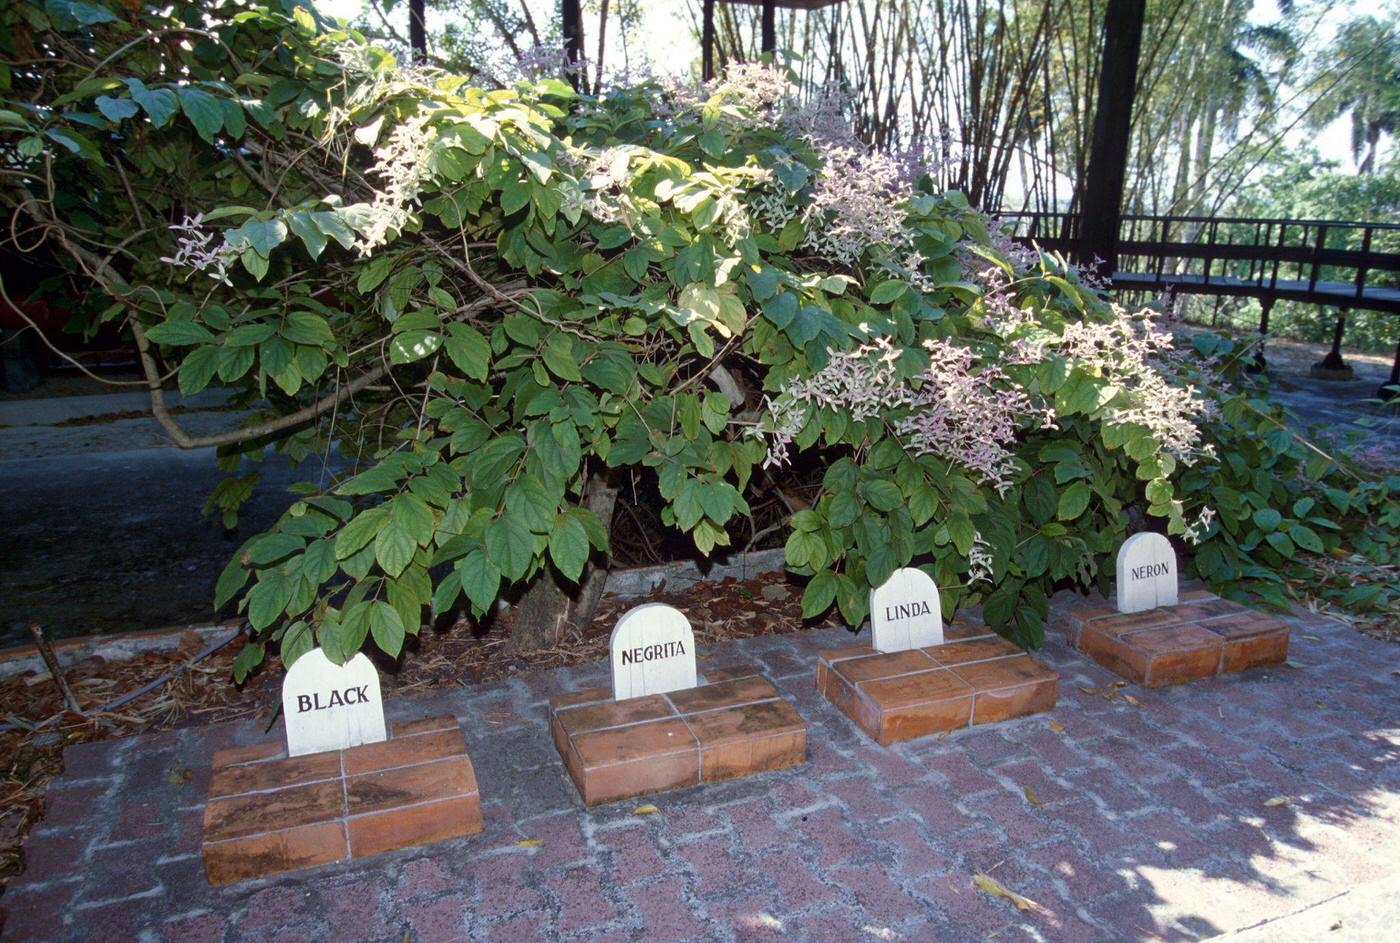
[(329, 706), (1146, 573), (905, 612), (653, 651)]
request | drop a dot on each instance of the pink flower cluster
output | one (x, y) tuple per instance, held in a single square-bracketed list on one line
[(1129, 351), (196, 248), (961, 409), (860, 201)]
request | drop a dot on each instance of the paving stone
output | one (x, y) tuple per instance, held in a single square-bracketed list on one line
[(354, 910), (1155, 823), (734, 726), (1201, 637), (662, 909), (207, 928), (898, 696), (442, 920), (268, 813), (582, 901)]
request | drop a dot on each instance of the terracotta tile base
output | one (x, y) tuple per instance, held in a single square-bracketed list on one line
[(975, 678), (1200, 637), (269, 813), (734, 726)]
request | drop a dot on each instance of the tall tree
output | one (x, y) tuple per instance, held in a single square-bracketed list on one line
[(1108, 157), (1363, 80)]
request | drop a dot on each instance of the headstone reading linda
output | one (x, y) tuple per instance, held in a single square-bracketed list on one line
[(329, 706), (1146, 573), (653, 651), (905, 612)]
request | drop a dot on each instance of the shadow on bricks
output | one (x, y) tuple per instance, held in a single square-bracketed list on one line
[(1199, 809)]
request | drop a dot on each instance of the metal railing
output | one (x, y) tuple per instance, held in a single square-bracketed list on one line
[(1340, 264)]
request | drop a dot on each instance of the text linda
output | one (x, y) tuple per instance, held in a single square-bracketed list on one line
[(907, 610), (1151, 569), (312, 702), (643, 653)]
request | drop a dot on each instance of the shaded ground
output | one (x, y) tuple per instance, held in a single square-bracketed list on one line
[(116, 541), (1262, 798)]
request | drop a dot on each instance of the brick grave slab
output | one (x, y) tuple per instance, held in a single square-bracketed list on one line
[(1154, 818), (974, 677), (734, 725), (1200, 637), (268, 813)]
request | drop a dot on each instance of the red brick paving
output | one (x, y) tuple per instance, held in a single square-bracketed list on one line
[(268, 813), (1156, 823)]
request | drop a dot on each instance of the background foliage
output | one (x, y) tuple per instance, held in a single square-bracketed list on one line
[(485, 309)]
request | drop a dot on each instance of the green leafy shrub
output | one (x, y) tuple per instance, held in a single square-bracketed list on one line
[(494, 305)]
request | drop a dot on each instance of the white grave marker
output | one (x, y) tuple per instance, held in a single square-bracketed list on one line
[(1146, 573), (329, 706), (653, 651), (905, 612)]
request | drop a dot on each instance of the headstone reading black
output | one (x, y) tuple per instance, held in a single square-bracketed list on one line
[(329, 706)]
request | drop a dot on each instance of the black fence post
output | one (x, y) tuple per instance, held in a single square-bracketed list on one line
[(707, 41), (1332, 366), (1388, 389), (572, 14), (1266, 305)]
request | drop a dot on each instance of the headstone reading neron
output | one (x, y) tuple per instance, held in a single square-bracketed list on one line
[(329, 706), (1146, 573), (905, 612), (653, 651)]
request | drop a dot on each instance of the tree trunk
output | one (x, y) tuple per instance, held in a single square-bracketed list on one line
[(552, 604), (1108, 154), (418, 31)]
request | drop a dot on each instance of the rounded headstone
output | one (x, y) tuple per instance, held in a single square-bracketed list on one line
[(1146, 573), (653, 651), (905, 612), (329, 706)]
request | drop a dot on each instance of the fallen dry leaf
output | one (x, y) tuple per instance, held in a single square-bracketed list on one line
[(1275, 802), (1132, 700), (1058, 728), (646, 810), (1311, 638), (1031, 797), (993, 888), (1091, 691), (1112, 695), (529, 843), (1297, 665)]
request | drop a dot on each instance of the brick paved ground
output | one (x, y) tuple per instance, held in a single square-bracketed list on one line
[(1155, 822)]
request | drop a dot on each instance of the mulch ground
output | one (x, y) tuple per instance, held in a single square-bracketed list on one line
[(39, 728)]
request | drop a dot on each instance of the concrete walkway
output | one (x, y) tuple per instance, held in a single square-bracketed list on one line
[(1221, 806)]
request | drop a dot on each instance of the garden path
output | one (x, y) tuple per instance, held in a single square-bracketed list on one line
[(1263, 798)]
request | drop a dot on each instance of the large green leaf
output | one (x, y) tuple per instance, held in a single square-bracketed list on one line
[(568, 546), (480, 579), (387, 628), (511, 547), (204, 112)]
